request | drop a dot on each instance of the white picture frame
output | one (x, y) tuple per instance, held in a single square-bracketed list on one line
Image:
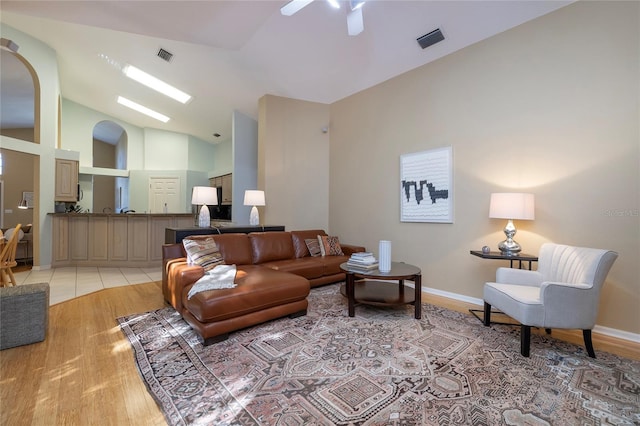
[(426, 186)]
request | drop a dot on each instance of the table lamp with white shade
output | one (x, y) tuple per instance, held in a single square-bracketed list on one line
[(511, 206), (203, 195), (254, 198)]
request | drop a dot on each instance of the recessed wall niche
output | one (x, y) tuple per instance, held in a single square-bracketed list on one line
[(109, 152)]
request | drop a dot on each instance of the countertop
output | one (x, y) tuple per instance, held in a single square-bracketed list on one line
[(73, 214)]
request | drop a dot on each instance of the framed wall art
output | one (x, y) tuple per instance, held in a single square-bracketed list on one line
[(426, 184), (28, 197)]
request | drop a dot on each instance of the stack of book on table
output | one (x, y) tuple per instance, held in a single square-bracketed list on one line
[(363, 261)]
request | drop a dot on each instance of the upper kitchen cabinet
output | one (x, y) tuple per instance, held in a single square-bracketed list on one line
[(66, 180), (224, 182)]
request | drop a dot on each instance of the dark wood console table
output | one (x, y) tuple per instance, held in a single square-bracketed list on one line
[(175, 235), (521, 257)]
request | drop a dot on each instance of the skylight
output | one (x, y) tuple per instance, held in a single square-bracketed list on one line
[(156, 84), (143, 109)]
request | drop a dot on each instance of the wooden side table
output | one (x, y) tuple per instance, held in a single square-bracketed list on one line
[(375, 292)]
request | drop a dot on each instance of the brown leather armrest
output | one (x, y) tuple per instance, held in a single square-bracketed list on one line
[(166, 263), (180, 275), (349, 249)]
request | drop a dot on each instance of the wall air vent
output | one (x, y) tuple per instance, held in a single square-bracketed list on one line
[(165, 55)]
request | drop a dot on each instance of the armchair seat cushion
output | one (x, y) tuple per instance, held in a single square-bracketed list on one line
[(521, 303), (517, 293)]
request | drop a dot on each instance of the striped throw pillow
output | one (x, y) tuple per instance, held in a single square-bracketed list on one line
[(203, 252)]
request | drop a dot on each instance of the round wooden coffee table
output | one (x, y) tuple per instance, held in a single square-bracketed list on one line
[(369, 288)]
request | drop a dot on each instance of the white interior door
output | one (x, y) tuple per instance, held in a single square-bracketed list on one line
[(164, 192)]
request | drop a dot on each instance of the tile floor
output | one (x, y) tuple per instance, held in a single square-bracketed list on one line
[(67, 283)]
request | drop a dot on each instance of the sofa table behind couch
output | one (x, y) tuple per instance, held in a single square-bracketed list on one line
[(175, 235)]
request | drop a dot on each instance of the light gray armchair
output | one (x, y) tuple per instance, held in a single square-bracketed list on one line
[(563, 293)]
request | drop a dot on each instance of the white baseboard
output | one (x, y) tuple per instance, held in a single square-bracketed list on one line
[(41, 268), (607, 331), (618, 334)]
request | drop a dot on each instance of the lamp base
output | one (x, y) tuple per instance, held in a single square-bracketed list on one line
[(509, 247), (254, 217), (204, 220)]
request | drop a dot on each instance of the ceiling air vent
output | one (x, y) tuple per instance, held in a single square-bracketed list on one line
[(165, 55)]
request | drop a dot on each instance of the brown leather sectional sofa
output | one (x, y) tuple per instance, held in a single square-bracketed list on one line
[(274, 274)]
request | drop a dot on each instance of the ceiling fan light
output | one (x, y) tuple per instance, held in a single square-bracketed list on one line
[(293, 6), (356, 4)]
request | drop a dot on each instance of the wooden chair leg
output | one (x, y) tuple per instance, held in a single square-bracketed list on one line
[(588, 343), (11, 277), (487, 314), (525, 340)]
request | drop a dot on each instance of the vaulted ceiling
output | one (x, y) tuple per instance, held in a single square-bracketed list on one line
[(228, 54)]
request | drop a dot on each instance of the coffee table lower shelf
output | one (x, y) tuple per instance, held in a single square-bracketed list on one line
[(381, 293)]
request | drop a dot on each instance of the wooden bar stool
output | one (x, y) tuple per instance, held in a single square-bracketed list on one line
[(8, 258)]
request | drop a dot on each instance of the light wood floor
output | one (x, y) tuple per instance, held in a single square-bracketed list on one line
[(84, 372)]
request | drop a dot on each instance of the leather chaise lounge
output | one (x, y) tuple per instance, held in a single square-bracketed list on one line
[(275, 272)]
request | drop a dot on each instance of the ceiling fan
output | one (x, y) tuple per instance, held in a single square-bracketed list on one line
[(355, 23)]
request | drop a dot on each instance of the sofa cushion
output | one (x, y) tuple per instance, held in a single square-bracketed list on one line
[(270, 246), (308, 267), (299, 237), (330, 246), (235, 248), (314, 247), (258, 288), (202, 252), (332, 264)]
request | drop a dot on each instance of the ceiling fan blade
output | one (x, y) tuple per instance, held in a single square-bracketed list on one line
[(355, 23), (293, 6)]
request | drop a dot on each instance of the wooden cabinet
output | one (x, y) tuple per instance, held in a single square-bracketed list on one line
[(60, 239), (98, 238), (117, 240), (138, 231), (66, 180), (226, 183), (157, 225), (78, 242), (227, 189)]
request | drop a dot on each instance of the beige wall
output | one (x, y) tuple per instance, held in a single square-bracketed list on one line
[(17, 174), (104, 187), (550, 107), (23, 134), (293, 163)]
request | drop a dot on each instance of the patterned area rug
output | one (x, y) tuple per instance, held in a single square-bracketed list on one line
[(382, 367)]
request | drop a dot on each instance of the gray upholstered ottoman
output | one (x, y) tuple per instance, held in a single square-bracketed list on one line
[(24, 314)]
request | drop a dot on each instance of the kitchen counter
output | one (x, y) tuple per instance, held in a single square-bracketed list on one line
[(191, 215), (112, 239)]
